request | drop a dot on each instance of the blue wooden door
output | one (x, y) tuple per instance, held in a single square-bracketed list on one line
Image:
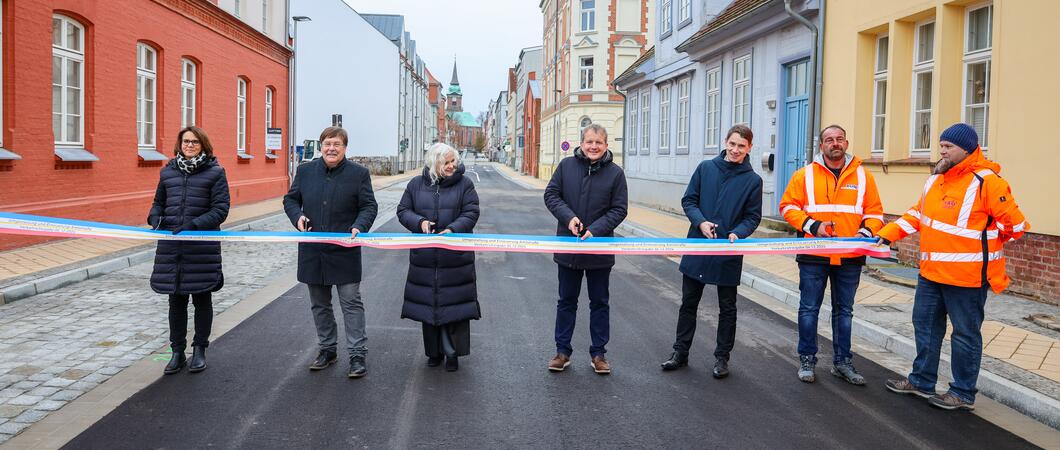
[(796, 104)]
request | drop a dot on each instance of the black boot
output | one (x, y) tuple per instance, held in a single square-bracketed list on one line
[(721, 368), (357, 367), (676, 361), (198, 360), (451, 364), (176, 363), (434, 361)]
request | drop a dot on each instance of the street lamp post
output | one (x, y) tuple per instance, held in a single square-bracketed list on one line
[(293, 108)]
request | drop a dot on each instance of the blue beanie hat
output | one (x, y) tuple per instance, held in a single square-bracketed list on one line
[(961, 135)]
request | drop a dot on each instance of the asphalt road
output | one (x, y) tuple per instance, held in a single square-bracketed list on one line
[(258, 393)]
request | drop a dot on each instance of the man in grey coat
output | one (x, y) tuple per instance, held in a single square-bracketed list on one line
[(331, 194)]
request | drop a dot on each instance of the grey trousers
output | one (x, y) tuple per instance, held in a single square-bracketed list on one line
[(352, 317)]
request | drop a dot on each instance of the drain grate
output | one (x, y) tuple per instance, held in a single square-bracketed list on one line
[(883, 308)]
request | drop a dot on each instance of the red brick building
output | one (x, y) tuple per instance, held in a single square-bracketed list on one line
[(532, 126), (88, 141)]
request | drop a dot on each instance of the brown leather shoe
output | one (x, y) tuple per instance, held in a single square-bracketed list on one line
[(600, 365), (559, 362)]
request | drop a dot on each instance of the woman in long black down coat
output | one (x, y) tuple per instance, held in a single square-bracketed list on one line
[(440, 291), (192, 194)]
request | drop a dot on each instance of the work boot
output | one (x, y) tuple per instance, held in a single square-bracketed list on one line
[(198, 359), (176, 363), (904, 386), (845, 370), (950, 402), (324, 359), (357, 367), (559, 362), (721, 368), (677, 360), (807, 363)]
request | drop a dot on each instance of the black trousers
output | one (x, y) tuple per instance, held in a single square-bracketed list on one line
[(691, 293), (178, 320), (452, 339)]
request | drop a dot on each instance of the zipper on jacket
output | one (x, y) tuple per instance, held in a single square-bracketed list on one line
[(180, 245), (437, 209)]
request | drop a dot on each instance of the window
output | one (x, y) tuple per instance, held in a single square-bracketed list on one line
[(923, 67), (684, 11), (977, 48), (713, 112), (879, 93), (666, 21), (664, 119), (586, 82), (268, 108), (741, 90), (146, 82), (588, 15), (241, 115), (238, 6), (645, 121), (633, 114), (265, 16), (187, 93), (683, 110), (68, 76), (585, 122)]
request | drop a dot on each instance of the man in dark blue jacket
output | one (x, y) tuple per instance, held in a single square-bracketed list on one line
[(334, 195), (587, 194), (723, 201)]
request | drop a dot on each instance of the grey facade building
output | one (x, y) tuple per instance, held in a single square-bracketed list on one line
[(529, 62)]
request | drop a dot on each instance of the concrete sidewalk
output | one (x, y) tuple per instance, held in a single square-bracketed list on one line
[(1021, 363), (32, 270)]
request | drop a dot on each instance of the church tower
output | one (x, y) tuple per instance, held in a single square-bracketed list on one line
[(455, 96)]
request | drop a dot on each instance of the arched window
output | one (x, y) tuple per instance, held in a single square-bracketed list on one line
[(586, 121), (68, 80), (241, 115), (188, 84), (268, 108), (146, 93)]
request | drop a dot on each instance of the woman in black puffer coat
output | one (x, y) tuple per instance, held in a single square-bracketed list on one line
[(440, 291), (192, 194)]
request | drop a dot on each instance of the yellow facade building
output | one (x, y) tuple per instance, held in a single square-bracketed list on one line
[(897, 73)]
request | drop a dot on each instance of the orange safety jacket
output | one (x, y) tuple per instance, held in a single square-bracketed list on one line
[(852, 201), (963, 216)]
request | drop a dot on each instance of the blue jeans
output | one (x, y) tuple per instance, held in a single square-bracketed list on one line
[(570, 287), (932, 303), (812, 280)]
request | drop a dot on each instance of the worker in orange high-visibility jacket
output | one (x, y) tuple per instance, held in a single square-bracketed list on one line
[(965, 214), (834, 196)]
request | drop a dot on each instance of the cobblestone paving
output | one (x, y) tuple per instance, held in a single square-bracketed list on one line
[(56, 346)]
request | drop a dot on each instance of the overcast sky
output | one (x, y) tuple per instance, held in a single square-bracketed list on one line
[(484, 35)]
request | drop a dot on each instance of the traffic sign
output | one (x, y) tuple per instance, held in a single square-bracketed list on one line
[(565, 146)]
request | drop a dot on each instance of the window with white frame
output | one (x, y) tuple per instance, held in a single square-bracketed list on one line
[(238, 5), (584, 123), (741, 90), (265, 16), (664, 119), (977, 51), (713, 109), (586, 79), (633, 113), (879, 95), (645, 121), (187, 92), (683, 112), (684, 11), (146, 90), (68, 77), (923, 67), (241, 115), (268, 108), (667, 13), (588, 15)]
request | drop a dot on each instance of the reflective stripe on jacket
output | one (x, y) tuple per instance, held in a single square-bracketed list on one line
[(852, 201), (964, 216)]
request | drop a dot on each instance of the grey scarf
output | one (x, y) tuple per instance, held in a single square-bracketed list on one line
[(189, 166)]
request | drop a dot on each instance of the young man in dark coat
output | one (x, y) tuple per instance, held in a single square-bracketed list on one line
[(587, 195), (723, 201), (331, 194), (440, 291)]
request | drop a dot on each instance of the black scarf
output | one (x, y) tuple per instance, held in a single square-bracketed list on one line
[(189, 166)]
